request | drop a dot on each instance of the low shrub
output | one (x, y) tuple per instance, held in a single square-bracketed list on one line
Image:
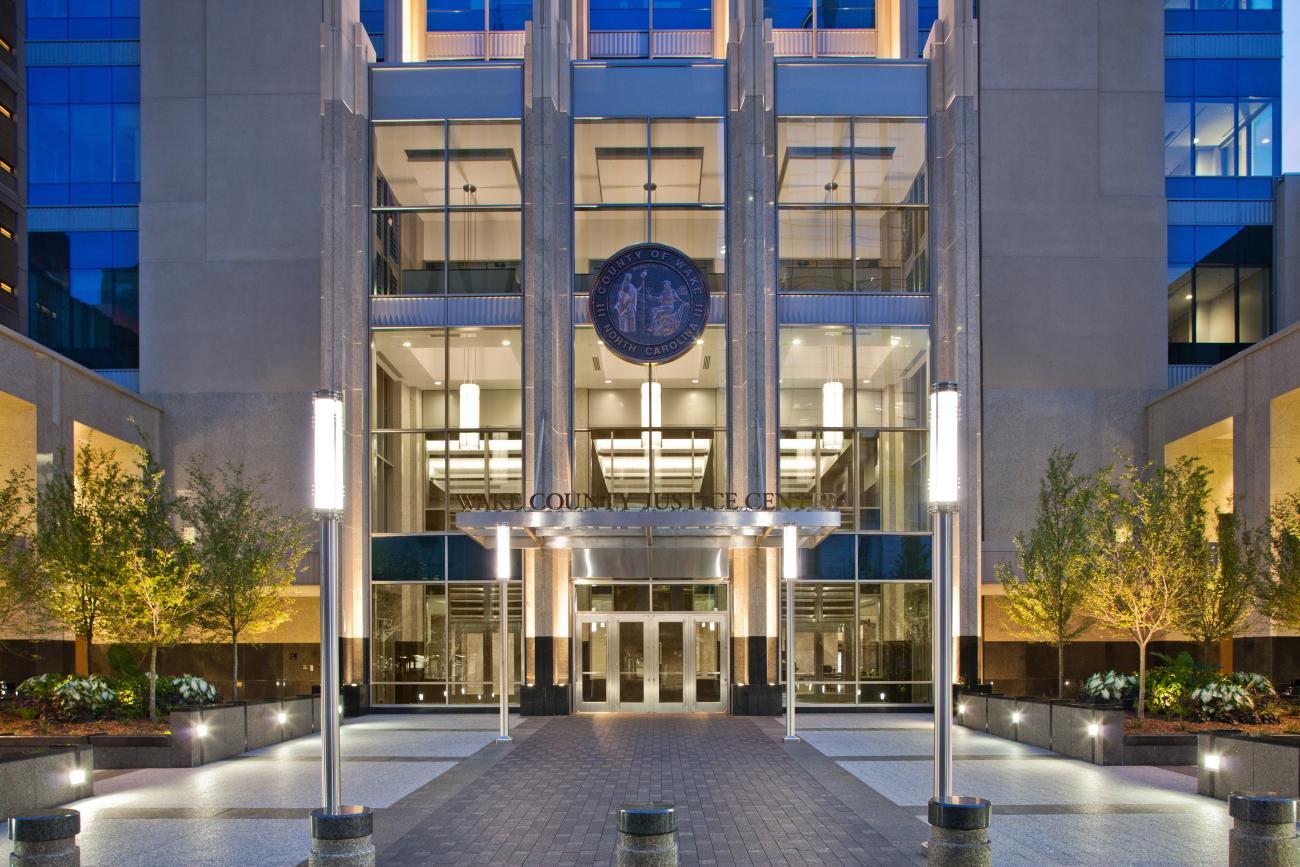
[(1222, 700), (1109, 686), (84, 698), (192, 689)]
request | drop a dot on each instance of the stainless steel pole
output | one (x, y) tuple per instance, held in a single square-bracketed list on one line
[(331, 782), (941, 611), (503, 735), (789, 662)]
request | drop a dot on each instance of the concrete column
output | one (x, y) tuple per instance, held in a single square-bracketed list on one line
[(345, 281), (955, 334), (342, 840), (752, 334), (548, 335), (647, 836), (959, 833)]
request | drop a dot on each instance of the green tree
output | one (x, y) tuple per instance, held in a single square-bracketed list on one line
[(17, 499), (1045, 599), (1146, 544), (158, 595), (83, 534), (1219, 597), (247, 554), (1278, 590)]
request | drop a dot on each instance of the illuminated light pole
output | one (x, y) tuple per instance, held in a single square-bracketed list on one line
[(503, 579), (944, 492), (327, 503), (789, 571)]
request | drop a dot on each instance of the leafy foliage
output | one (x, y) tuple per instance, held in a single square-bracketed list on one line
[(1278, 588), (1045, 602), (245, 551), (88, 697), (193, 690), (1109, 686), (1145, 545), (17, 502), (1170, 686), (1217, 602)]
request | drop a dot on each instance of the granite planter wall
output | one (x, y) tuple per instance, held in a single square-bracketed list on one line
[(973, 710), (42, 777), (1062, 727), (1268, 763)]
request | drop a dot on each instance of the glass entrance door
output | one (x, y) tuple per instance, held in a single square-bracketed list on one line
[(669, 663)]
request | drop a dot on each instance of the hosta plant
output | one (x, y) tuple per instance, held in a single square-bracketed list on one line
[(192, 689), (1255, 684), (40, 688), (1222, 700), (1109, 686), (84, 698)]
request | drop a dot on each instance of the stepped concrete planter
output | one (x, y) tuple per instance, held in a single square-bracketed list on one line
[(41, 777), (1247, 763), (973, 710), (1163, 749), (1073, 727), (1035, 725), (1001, 707)]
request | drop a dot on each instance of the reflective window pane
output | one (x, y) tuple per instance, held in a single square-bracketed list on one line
[(1180, 305), (814, 160), (1253, 294), (1215, 139), (894, 632), (410, 166), (610, 162), (892, 478), (890, 252), (892, 377), (816, 250), (889, 161), (686, 159), (1178, 139), (1216, 314), (484, 254), (846, 14), (700, 234), (597, 235), (484, 163), (454, 15)]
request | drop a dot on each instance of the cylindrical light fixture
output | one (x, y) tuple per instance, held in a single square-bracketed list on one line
[(503, 552), (503, 665), (470, 415), (945, 417), (833, 414), (327, 452), (789, 571), (789, 553)]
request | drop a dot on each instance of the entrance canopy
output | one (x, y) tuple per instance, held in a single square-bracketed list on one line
[(610, 528)]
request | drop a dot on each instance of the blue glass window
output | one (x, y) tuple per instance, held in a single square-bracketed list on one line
[(789, 14), (85, 296), (683, 14), (454, 15), (620, 14), (509, 14), (846, 14)]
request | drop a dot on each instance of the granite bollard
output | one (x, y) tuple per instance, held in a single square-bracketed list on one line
[(45, 839), (1263, 831), (647, 836), (342, 839), (959, 833)]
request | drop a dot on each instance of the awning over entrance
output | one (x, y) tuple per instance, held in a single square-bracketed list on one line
[(610, 528)]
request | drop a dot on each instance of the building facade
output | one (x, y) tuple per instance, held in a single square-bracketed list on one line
[(412, 203)]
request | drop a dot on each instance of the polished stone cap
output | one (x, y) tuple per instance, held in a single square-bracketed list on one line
[(1267, 807), (45, 826), (644, 820), (348, 823), (960, 813)]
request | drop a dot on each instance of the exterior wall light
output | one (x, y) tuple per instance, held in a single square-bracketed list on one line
[(77, 776), (945, 485), (201, 730), (1211, 762), (282, 717), (1015, 717), (1093, 730), (961, 709)]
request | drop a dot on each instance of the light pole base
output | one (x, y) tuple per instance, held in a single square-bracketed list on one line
[(504, 739), (790, 739)]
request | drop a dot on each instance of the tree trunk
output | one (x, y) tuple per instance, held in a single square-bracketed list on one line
[(1142, 680), (234, 666), (1207, 653), (81, 655), (1060, 670), (153, 684)]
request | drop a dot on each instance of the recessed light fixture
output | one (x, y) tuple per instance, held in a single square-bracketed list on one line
[(1265, 140), (700, 342), (406, 343), (437, 382), (695, 382), (1196, 141), (608, 381), (796, 341), (505, 343), (1188, 296)]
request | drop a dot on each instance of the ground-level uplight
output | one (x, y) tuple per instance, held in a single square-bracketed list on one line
[(77, 776), (1015, 717), (1211, 762), (1093, 730), (961, 709), (201, 730), (282, 717)]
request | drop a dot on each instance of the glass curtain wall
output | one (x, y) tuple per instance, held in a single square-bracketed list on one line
[(1220, 290), (860, 643), (822, 14), (446, 422), (446, 203), (852, 205), (455, 16), (648, 435), (853, 424)]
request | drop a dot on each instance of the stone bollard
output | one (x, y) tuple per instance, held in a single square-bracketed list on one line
[(959, 833), (647, 836), (343, 839), (1263, 831), (45, 839)]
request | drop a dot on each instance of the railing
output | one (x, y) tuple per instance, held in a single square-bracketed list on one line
[(475, 45), (824, 43), (611, 44), (651, 467)]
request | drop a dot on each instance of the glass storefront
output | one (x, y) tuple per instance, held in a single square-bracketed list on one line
[(860, 642)]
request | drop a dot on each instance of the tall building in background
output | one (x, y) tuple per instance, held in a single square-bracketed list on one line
[(12, 193), (83, 181), (1223, 128)]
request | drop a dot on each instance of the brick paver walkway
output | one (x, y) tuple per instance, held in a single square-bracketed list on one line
[(742, 798)]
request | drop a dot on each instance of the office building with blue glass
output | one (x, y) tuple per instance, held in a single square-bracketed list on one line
[(838, 202)]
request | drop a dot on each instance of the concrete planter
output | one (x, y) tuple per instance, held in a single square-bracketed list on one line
[(973, 710), (1269, 763), (39, 778), (1160, 749), (1001, 708), (1072, 732), (1035, 726)]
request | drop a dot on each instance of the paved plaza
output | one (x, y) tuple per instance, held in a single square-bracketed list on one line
[(852, 793)]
